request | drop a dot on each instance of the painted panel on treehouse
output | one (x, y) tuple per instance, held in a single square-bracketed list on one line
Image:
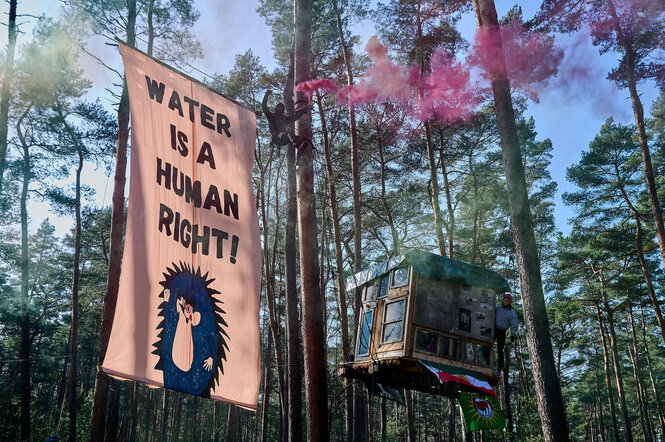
[(188, 304)]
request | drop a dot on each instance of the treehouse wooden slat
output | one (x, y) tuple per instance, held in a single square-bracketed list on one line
[(421, 308)]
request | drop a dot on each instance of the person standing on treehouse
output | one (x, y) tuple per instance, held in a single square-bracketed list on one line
[(505, 317)]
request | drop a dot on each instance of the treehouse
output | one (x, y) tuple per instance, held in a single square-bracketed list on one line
[(423, 315)]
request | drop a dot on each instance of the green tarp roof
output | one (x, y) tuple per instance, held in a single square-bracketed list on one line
[(434, 267)]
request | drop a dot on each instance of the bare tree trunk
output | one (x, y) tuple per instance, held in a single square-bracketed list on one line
[(62, 385), (550, 401), (24, 345), (164, 424), (608, 384), (654, 388), (449, 203), (339, 273), (316, 391), (98, 418), (294, 351), (232, 424), (642, 398), (114, 401), (384, 423), (73, 383), (7, 76), (266, 392), (638, 110), (505, 384), (134, 400), (355, 427), (151, 30), (269, 257), (618, 377), (452, 406), (647, 274), (410, 428), (436, 208)]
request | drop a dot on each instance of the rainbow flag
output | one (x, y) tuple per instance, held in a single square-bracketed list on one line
[(481, 412)]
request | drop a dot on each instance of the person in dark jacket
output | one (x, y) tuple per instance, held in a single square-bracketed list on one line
[(504, 318)]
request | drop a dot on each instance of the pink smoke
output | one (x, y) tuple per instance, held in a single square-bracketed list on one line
[(309, 88), (446, 94), (530, 58)]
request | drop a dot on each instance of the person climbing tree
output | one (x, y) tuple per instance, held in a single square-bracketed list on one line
[(278, 122), (505, 317)]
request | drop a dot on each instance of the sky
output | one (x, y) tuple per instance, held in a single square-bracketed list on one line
[(569, 114)]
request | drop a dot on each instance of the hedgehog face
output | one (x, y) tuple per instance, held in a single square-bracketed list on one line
[(192, 340)]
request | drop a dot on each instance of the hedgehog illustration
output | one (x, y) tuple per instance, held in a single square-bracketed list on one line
[(192, 339)]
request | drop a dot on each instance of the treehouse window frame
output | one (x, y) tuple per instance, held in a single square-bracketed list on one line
[(393, 284), (385, 324), (369, 332)]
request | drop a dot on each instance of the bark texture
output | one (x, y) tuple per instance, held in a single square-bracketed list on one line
[(550, 401), (316, 391)]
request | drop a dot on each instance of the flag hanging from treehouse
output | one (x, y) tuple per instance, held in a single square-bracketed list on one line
[(466, 379), (188, 304), (481, 411)]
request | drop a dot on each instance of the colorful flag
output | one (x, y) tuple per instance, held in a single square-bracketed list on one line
[(468, 378), (481, 412), (187, 316)]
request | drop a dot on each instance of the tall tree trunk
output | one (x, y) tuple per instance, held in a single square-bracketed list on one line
[(550, 401), (638, 111), (643, 400), (452, 406), (618, 377), (395, 249), (316, 391), (356, 426), (384, 422), (654, 388), (24, 345), (73, 405), (151, 29), (98, 418), (410, 427), (505, 384), (294, 351), (266, 392), (114, 401), (433, 176), (269, 258), (133, 419), (647, 274), (62, 385), (164, 424), (608, 384), (7, 76), (449, 201), (339, 273), (232, 424)]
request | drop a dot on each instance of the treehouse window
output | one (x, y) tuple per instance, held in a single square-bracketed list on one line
[(393, 321), (383, 287), (401, 277), (365, 333), (370, 292), (449, 347), (483, 355), (427, 341), (467, 353)]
